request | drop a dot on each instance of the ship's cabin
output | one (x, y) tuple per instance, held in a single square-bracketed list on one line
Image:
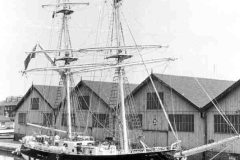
[(75, 147), (42, 139), (85, 145), (79, 140)]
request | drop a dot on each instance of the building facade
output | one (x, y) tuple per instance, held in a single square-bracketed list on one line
[(183, 99), (35, 107), (92, 113), (188, 124), (186, 100), (217, 127)]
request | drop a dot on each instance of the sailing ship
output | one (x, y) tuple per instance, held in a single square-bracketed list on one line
[(85, 147)]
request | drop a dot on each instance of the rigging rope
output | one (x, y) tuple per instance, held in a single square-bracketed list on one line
[(164, 111), (174, 121), (215, 105), (222, 150)]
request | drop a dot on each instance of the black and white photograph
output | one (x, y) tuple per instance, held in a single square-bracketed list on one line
[(120, 80)]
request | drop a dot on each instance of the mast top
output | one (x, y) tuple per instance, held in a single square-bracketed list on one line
[(67, 59), (120, 56), (65, 11)]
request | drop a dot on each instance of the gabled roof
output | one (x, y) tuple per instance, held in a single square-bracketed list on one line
[(101, 89), (223, 94), (48, 93), (189, 88)]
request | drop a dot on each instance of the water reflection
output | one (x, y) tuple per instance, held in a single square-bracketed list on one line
[(8, 157)]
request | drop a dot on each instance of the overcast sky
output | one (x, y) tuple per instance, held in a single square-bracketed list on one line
[(204, 36)]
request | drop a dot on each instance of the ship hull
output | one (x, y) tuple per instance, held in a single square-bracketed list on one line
[(33, 154)]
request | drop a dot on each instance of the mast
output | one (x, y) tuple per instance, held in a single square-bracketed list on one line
[(66, 45), (68, 105), (63, 7), (120, 57), (123, 117)]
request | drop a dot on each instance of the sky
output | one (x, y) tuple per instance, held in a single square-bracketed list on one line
[(203, 35)]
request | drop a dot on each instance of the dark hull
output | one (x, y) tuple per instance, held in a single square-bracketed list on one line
[(33, 154)]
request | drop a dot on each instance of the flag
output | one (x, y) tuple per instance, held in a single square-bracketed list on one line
[(29, 57)]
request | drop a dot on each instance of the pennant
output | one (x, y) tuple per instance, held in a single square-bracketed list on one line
[(29, 57)]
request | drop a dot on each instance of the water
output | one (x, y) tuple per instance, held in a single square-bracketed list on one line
[(8, 156)]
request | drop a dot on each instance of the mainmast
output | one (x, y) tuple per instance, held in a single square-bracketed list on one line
[(120, 57)]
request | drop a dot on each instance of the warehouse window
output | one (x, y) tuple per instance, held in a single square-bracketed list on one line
[(83, 102), (153, 102), (65, 120), (134, 121), (47, 119), (100, 120), (22, 118), (182, 122), (35, 103), (221, 126), (73, 118)]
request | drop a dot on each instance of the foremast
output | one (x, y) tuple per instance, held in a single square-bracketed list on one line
[(65, 12), (63, 9)]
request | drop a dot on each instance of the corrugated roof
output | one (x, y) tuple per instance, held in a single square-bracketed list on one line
[(191, 89)]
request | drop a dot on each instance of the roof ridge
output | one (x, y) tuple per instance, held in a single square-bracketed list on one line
[(194, 77)]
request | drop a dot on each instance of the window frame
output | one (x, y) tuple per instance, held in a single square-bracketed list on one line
[(48, 116), (152, 100), (34, 103), (64, 120), (220, 125), (130, 122), (84, 102), (73, 118), (103, 120), (182, 122), (22, 119)]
